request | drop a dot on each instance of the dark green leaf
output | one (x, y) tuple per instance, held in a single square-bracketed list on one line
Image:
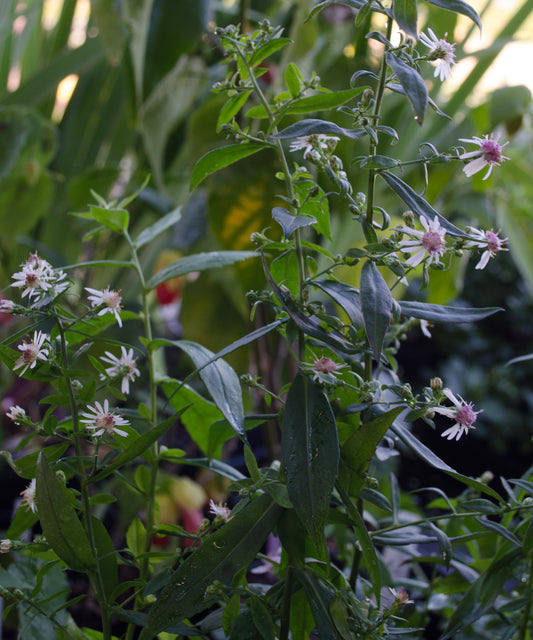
[(377, 162), (232, 107), (346, 297), (220, 158), (290, 223), (262, 619), (198, 262), (164, 223), (528, 537), (458, 6), (482, 593), (405, 14), (321, 598), (322, 101), (311, 126), (412, 82), (500, 530), (25, 467), (107, 558), (221, 382), (480, 504), (310, 454), (434, 461), (441, 313), (418, 204), (376, 304), (61, 526), (224, 553)]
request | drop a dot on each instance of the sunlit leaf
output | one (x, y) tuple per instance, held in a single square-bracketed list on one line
[(220, 158)]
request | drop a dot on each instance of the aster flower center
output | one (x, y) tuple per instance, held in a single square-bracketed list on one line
[(112, 299), (466, 416), (492, 151), (105, 421), (326, 365), (493, 241), (432, 242)]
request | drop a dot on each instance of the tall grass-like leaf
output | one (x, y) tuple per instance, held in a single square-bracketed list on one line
[(219, 158), (310, 454), (376, 304), (458, 6), (443, 313), (312, 126), (61, 526), (321, 599), (413, 84), (221, 556)]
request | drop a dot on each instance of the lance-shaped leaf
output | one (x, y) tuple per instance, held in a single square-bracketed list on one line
[(198, 262), (481, 595), (346, 297), (321, 599), (418, 204), (311, 126), (164, 223), (59, 521), (376, 303), (222, 555), (443, 313), (232, 108), (413, 84), (290, 223), (405, 14), (220, 380), (310, 454), (323, 101), (458, 6), (220, 158), (426, 454), (114, 219)]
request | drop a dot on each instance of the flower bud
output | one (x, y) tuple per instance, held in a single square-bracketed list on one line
[(409, 219), (368, 95), (436, 384)]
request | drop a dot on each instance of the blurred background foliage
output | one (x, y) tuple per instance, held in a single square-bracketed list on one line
[(97, 94)]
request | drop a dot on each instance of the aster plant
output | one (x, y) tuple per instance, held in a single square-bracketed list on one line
[(305, 549)]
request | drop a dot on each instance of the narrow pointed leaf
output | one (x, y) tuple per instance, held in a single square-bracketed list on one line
[(442, 313), (323, 101), (500, 530), (310, 454), (413, 84), (311, 126), (458, 6), (290, 223), (376, 304), (221, 382), (115, 219), (267, 49), (418, 204), (198, 262), (232, 107), (346, 297), (164, 223), (220, 158), (321, 599), (405, 14), (434, 461), (221, 556), (59, 521)]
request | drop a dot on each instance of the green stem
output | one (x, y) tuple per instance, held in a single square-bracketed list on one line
[(286, 606), (99, 586), (526, 619)]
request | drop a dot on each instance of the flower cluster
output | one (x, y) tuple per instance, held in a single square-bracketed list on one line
[(39, 278)]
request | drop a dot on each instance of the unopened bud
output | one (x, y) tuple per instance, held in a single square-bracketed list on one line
[(409, 219), (486, 477), (436, 384), (368, 95)]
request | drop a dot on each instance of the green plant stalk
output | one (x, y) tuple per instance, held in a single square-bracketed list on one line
[(286, 606), (99, 584), (150, 506)]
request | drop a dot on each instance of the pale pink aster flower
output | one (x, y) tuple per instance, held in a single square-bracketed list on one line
[(489, 241), (442, 52), (123, 368), (313, 141), (6, 306), (5, 546), (32, 352), (429, 242), (28, 497), (219, 509), (401, 596), (463, 413), (101, 420), (488, 154), (16, 414), (111, 299)]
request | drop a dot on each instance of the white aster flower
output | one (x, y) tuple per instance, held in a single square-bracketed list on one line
[(6, 306), (219, 509), (488, 154), (107, 297), (17, 414), (38, 278), (442, 52), (489, 241), (5, 546), (430, 242), (314, 141), (102, 420), (462, 412), (32, 351), (123, 368), (28, 497)]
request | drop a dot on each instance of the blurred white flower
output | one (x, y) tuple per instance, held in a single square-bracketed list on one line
[(28, 497), (219, 510), (442, 52), (16, 414), (123, 368)]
